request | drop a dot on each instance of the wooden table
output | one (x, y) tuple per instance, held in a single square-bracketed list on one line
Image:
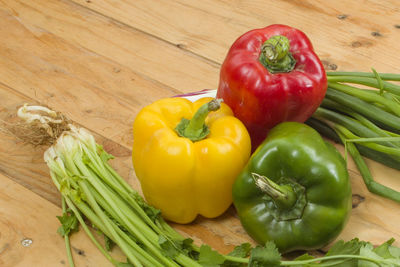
[(99, 62)]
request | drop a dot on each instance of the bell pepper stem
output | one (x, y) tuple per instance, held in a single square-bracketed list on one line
[(195, 129), (282, 195), (275, 55)]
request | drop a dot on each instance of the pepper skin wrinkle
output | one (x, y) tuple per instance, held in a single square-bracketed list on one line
[(185, 178)]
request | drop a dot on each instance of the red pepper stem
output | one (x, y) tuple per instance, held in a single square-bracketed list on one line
[(195, 129), (275, 55), (282, 195)]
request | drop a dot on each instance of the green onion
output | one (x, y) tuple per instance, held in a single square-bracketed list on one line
[(366, 121)]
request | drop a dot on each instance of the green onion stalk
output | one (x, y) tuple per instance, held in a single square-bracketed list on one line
[(362, 111)]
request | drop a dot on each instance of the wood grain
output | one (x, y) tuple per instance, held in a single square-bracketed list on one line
[(157, 60), (25, 215), (100, 62), (196, 26), (24, 163), (73, 80)]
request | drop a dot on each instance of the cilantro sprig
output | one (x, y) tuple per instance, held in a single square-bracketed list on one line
[(69, 224), (354, 253)]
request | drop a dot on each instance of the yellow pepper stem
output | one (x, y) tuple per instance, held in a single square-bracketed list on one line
[(195, 129), (283, 195)]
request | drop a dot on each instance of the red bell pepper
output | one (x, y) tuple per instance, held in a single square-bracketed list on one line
[(272, 75)]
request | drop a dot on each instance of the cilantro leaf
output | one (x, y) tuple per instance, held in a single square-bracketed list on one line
[(351, 247), (367, 251), (241, 251), (69, 224), (303, 257), (168, 248), (383, 250), (395, 252), (109, 243), (187, 249), (171, 248), (103, 154), (153, 213), (209, 257), (265, 256)]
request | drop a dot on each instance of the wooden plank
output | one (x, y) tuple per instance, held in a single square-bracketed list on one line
[(351, 42), (157, 60), (39, 53), (100, 92), (25, 215), (24, 163)]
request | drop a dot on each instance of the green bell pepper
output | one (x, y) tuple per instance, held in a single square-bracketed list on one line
[(295, 190)]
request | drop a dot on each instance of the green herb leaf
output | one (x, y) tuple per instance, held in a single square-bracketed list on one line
[(168, 248), (241, 251), (187, 249), (383, 250), (395, 252), (209, 257), (265, 256), (69, 224), (367, 251), (103, 154), (351, 247), (303, 257), (153, 213), (65, 187), (109, 244)]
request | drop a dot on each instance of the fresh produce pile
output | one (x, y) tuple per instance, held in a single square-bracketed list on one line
[(98, 197), (290, 187)]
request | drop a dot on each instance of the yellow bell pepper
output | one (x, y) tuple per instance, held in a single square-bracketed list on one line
[(187, 167)]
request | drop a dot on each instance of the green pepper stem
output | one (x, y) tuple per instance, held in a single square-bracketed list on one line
[(195, 129), (275, 55), (282, 195)]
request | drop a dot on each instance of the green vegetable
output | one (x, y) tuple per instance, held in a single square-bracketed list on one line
[(367, 122), (209, 257), (294, 190), (92, 189), (353, 253), (69, 224), (80, 170)]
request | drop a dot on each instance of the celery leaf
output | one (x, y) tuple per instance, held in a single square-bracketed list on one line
[(69, 224)]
